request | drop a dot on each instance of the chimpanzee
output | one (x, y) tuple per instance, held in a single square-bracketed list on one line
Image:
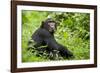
[(44, 36)]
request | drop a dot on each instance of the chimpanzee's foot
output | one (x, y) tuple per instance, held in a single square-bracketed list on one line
[(65, 53)]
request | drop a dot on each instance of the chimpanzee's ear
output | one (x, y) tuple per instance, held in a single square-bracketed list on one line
[(42, 24)]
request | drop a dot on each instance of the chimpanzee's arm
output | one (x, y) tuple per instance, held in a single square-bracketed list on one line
[(48, 39)]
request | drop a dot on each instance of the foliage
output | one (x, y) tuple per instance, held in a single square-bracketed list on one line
[(72, 31)]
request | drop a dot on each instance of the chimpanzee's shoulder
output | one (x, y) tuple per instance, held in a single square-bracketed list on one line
[(44, 32)]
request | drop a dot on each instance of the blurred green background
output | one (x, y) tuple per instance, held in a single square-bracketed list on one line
[(73, 31)]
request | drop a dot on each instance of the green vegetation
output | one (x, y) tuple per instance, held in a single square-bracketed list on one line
[(72, 31)]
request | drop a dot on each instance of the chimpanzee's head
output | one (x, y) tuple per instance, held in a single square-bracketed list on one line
[(49, 24)]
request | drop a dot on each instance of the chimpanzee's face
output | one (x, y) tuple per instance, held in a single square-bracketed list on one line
[(52, 26), (49, 25)]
